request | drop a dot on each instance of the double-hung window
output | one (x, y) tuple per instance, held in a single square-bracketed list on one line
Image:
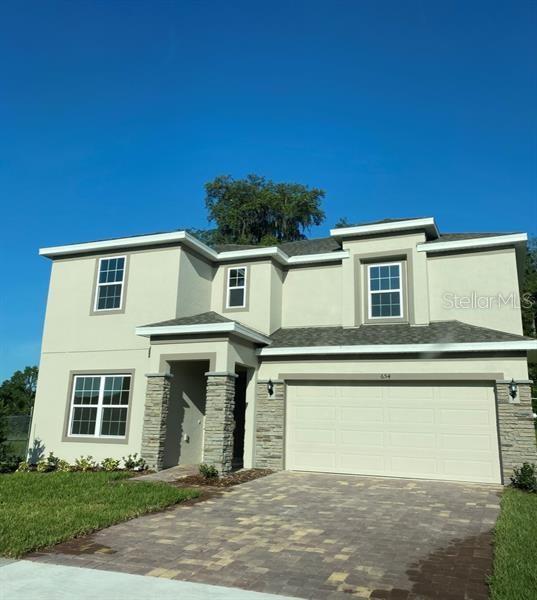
[(236, 287), (110, 283), (99, 406), (385, 291)]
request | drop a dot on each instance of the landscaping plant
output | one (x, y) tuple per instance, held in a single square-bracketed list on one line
[(208, 471), (134, 463), (110, 464), (85, 463), (525, 478)]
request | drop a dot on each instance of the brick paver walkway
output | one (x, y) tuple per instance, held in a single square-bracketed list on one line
[(313, 536)]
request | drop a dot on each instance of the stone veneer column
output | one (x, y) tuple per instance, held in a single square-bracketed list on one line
[(516, 429), (270, 426), (157, 396), (219, 421)]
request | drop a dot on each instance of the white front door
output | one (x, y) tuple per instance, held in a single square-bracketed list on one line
[(433, 432)]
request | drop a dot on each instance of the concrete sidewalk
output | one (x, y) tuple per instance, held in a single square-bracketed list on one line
[(27, 580)]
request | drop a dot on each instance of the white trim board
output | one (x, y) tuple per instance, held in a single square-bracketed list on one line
[(229, 327), (426, 223), (497, 240), (523, 345), (193, 243)]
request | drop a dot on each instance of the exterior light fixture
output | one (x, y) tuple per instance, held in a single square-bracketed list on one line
[(513, 389), (270, 387)]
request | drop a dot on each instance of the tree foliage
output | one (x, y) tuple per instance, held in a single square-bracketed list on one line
[(528, 291), (17, 394), (256, 210), (528, 295)]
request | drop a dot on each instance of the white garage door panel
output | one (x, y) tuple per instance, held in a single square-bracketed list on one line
[(434, 432)]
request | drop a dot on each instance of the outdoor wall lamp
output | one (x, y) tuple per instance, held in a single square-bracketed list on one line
[(270, 387), (513, 389)]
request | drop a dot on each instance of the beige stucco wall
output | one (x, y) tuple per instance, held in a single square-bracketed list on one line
[(150, 296), (312, 296), (508, 368), (195, 283), (353, 282), (277, 277), (486, 274), (50, 411), (259, 292)]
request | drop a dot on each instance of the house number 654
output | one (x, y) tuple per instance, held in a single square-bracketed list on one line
[(385, 376)]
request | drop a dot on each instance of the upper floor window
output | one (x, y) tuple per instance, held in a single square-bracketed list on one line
[(110, 283), (385, 291), (99, 406), (236, 287)]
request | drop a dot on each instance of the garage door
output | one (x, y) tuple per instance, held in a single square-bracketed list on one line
[(441, 432)]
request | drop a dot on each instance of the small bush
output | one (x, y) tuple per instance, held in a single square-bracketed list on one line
[(9, 463), (110, 464), (52, 461), (208, 471), (42, 466), (23, 467), (64, 466), (85, 463), (134, 463), (525, 477)]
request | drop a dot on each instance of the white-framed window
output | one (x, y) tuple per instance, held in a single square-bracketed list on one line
[(385, 290), (236, 287), (99, 406), (110, 283)]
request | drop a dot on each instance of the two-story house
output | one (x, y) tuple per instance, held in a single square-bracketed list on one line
[(384, 349)]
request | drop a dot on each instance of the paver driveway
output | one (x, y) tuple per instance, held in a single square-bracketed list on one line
[(313, 536)]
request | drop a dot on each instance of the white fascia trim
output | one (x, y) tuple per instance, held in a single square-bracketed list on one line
[(193, 243), (231, 327), (271, 251), (401, 348), (381, 227), (318, 258), (498, 240), (130, 242)]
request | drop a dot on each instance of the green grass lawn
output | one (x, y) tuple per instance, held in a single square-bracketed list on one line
[(515, 553), (41, 509)]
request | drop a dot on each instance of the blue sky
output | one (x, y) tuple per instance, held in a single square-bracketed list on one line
[(114, 114)]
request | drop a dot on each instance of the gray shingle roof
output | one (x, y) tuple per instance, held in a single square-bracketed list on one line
[(380, 221), (452, 237), (231, 247), (206, 318), (394, 333), (315, 246), (435, 333)]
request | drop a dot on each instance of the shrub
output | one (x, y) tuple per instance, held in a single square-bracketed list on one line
[(134, 463), (9, 463), (42, 466), (85, 463), (208, 471), (525, 477), (48, 464), (64, 466), (23, 467), (110, 464)]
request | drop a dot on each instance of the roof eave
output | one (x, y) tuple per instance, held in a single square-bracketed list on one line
[(426, 223), (511, 346), (230, 327), (474, 243)]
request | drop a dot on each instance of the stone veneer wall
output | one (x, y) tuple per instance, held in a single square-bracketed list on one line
[(157, 397), (516, 429), (270, 426), (219, 421)]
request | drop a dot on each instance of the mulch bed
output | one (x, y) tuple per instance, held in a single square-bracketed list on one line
[(222, 482)]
